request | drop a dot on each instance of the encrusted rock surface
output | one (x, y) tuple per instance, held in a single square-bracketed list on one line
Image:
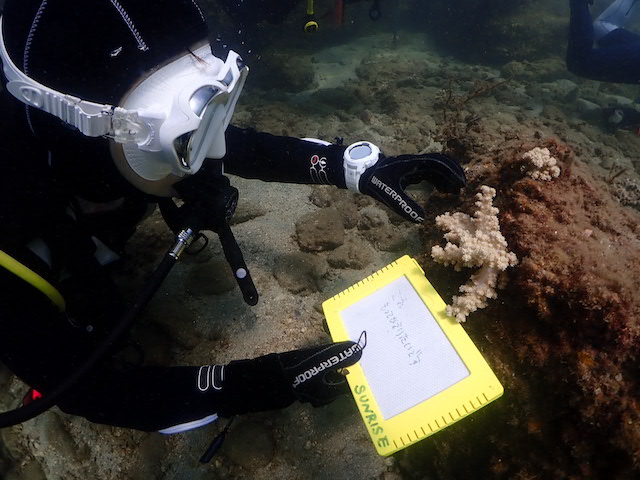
[(320, 230)]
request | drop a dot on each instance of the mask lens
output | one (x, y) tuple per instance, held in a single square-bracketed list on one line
[(201, 99), (198, 103), (181, 145)]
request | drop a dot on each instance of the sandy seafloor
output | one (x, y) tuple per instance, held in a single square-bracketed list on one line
[(562, 337)]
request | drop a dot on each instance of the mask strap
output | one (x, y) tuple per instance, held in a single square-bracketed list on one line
[(92, 119)]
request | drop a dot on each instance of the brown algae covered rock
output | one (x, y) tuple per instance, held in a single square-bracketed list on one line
[(563, 335)]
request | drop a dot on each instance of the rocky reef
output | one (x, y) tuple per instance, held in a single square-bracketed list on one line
[(563, 334)]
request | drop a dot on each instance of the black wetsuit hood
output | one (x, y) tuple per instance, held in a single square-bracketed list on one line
[(95, 50)]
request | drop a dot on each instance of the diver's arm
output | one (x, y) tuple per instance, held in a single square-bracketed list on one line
[(176, 399), (42, 346), (252, 154), (360, 166)]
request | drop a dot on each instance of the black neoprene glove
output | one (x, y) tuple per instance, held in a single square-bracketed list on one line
[(276, 380), (386, 180)]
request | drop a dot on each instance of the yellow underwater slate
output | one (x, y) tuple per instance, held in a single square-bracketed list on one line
[(420, 371)]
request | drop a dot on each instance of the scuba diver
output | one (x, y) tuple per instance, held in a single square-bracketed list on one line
[(616, 56), (112, 107)]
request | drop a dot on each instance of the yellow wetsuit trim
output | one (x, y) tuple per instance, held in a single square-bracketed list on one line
[(32, 278)]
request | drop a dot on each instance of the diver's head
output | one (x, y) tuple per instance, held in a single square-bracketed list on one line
[(181, 110), (139, 73)]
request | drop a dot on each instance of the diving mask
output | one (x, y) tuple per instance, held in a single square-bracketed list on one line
[(168, 124)]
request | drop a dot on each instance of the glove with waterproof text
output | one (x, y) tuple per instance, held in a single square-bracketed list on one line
[(276, 380), (387, 179)]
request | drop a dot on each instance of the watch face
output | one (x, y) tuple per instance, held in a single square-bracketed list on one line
[(362, 154), (360, 151)]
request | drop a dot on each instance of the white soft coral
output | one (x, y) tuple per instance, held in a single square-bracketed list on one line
[(541, 165), (474, 242)]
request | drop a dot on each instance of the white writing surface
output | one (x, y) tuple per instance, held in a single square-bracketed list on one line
[(408, 358)]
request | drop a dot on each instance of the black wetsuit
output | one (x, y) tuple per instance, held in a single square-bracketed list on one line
[(615, 57), (38, 186)]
